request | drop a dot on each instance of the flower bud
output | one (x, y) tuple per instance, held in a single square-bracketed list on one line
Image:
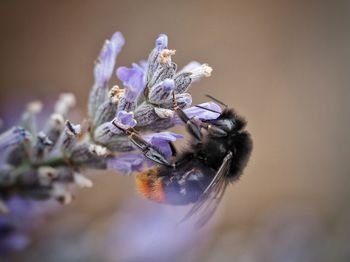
[(183, 101), (153, 59), (161, 92), (64, 103), (42, 146), (162, 72), (145, 114), (54, 127), (28, 120)]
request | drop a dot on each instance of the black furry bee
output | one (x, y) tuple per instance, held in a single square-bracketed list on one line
[(201, 173)]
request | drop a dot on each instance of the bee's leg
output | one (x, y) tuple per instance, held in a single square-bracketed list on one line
[(172, 148), (147, 149), (213, 129), (191, 124)]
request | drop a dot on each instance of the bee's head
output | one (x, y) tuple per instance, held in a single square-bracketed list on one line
[(228, 121)]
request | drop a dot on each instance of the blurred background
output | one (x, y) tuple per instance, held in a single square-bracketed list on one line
[(284, 65)]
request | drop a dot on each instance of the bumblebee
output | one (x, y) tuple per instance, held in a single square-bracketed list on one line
[(217, 155)]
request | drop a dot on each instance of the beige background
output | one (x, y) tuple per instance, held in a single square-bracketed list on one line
[(284, 65)]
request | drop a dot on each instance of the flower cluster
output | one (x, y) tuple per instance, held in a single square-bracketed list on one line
[(45, 162)]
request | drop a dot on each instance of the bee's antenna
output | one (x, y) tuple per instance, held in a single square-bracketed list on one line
[(216, 100), (208, 109)]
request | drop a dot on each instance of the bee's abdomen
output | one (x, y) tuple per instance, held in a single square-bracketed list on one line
[(150, 185), (187, 185), (176, 187)]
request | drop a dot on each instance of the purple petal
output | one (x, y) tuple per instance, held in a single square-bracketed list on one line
[(161, 141), (104, 67), (124, 120), (126, 163), (201, 113), (133, 80)]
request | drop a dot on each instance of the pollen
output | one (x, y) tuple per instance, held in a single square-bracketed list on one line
[(116, 93), (165, 55)]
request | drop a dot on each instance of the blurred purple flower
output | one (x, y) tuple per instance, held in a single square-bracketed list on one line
[(24, 216), (150, 232), (104, 67), (126, 163)]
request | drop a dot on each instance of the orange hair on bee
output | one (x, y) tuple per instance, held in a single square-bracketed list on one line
[(150, 185)]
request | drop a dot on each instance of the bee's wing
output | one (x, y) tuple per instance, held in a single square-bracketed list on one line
[(212, 195)]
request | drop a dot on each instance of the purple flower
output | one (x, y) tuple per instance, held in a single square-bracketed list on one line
[(161, 141), (12, 241), (126, 163), (109, 52), (124, 120), (133, 80), (200, 113), (150, 232)]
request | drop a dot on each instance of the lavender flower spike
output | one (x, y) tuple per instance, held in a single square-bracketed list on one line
[(106, 61), (153, 59), (48, 164), (103, 71)]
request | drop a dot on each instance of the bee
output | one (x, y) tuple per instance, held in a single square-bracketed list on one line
[(216, 157)]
